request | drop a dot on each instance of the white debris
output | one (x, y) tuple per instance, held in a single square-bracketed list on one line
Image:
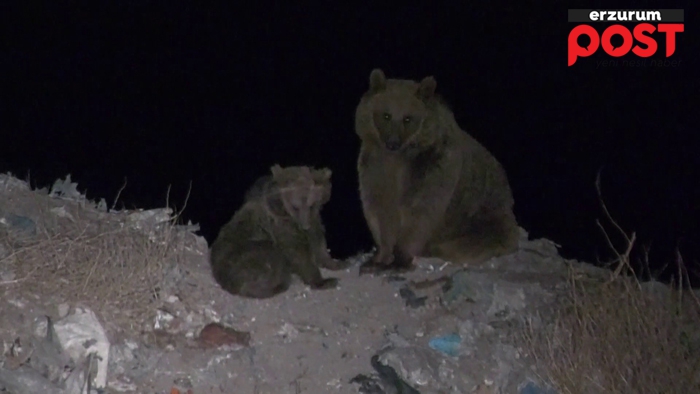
[(149, 218), (80, 335), (162, 319), (65, 189), (63, 310), (61, 212)]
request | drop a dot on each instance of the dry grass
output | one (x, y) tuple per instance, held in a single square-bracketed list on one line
[(79, 255), (622, 336), (618, 338)]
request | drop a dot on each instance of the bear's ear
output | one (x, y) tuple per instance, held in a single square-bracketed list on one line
[(276, 171), (323, 175), (377, 80), (426, 89)]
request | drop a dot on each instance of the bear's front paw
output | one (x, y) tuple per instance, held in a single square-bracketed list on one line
[(402, 263), (383, 256)]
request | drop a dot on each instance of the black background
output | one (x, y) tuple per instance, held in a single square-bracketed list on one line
[(168, 93)]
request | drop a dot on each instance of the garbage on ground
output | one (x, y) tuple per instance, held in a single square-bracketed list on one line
[(65, 189), (216, 334), (459, 289), (448, 344), (532, 388), (386, 381), (412, 300), (19, 224), (172, 326), (82, 337), (63, 357)]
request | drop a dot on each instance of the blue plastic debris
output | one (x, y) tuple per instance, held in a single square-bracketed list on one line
[(20, 223), (531, 388), (448, 344)]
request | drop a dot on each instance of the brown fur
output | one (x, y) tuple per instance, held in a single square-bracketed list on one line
[(427, 187), (276, 233)]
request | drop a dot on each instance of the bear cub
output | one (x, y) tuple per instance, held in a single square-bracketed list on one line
[(276, 233)]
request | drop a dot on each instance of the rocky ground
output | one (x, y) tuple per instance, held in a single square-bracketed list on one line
[(125, 299)]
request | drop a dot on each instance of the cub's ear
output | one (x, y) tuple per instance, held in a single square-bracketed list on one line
[(323, 175), (377, 80), (426, 89), (322, 194), (276, 171)]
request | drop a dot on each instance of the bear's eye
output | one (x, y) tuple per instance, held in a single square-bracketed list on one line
[(407, 119), (387, 116)]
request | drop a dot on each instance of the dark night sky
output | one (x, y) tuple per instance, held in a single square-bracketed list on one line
[(165, 95)]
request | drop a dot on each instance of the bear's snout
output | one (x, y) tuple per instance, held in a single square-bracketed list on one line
[(393, 143)]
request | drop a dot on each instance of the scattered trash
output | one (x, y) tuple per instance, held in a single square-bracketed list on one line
[(62, 213), (368, 384), (9, 182), (412, 300), (458, 289), (121, 386), (448, 344), (149, 218), (19, 229), (288, 332), (172, 326), (19, 224), (26, 380), (175, 390), (162, 320), (63, 310), (507, 301), (182, 385), (37, 366), (80, 379), (150, 221), (389, 376), (189, 227), (395, 278), (387, 380), (417, 365), (66, 189), (47, 355), (397, 340), (215, 335), (532, 388), (361, 257), (81, 335)]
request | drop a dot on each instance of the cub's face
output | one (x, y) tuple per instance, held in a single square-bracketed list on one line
[(397, 117), (303, 203), (303, 191)]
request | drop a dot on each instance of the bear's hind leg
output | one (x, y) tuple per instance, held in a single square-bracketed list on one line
[(256, 274), (488, 235), (304, 266)]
